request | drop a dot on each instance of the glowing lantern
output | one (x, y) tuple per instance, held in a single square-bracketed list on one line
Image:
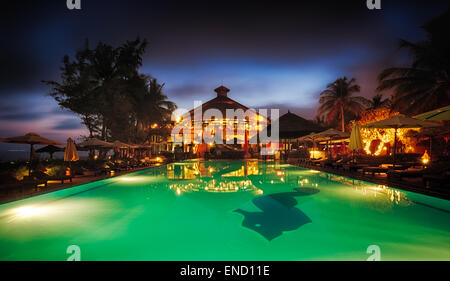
[(425, 158), (68, 172)]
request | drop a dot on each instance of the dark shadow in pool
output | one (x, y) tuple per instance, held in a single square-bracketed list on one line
[(278, 213)]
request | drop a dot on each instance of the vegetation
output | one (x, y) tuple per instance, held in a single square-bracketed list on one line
[(338, 98), (425, 84), (378, 102), (104, 87)]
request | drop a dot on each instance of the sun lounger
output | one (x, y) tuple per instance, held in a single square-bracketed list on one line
[(58, 178), (374, 170), (408, 173), (354, 166), (441, 180)]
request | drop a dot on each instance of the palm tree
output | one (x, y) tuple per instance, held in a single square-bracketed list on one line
[(338, 98), (151, 104), (378, 102), (425, 84)]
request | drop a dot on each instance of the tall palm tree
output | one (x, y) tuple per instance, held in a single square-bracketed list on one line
[(377, 101), (151, 104), (425, 84), (338, 98)]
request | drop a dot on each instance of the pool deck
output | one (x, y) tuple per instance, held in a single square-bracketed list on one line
[(57, 185), (413, 185)]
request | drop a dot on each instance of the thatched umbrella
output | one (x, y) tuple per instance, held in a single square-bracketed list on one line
[(118, 146), (31, 139), (50, 149), (94, 143)]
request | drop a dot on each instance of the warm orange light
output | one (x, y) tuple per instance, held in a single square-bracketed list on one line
[(385, 136), (154, 126), (425, 158)]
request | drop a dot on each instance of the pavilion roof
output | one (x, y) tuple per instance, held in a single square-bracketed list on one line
[(221, 102)]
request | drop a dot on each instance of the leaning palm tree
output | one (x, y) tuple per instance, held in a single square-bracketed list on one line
[(377, 101), (338, 98), (425, 84)]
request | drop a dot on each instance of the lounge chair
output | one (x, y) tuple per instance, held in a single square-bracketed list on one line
[(44, 178), (408, 172), (439, 177), (375, 170)]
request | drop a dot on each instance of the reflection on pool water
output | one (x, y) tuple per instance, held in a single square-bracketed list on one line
[(226, 210)]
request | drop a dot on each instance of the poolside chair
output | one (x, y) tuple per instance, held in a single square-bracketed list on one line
[(43, 178), (374, 170), (438, 177)]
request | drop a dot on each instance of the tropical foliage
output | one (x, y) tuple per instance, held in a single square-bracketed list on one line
[(338, 99), (104, 87), (377, 102), (425, 84)]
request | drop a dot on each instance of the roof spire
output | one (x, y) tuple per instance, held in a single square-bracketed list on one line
[(222, 91)]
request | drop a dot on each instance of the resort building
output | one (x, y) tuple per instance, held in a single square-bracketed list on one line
[(215, 117)]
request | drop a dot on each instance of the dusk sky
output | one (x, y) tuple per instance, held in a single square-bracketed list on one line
[(270, 54)]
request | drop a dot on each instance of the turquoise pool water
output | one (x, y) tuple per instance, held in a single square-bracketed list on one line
[(226, 210)]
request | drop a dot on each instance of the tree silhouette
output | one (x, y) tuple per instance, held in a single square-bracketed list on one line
[(338, 99), (425, 84), (103, 85)]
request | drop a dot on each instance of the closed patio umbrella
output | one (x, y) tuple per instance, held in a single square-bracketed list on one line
[(31, 139), (71, 153), (397, 122), (355, 138)]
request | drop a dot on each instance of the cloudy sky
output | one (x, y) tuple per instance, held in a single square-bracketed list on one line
[(269, 53)]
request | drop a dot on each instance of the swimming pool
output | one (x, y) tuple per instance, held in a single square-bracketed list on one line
[(226, 210)]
